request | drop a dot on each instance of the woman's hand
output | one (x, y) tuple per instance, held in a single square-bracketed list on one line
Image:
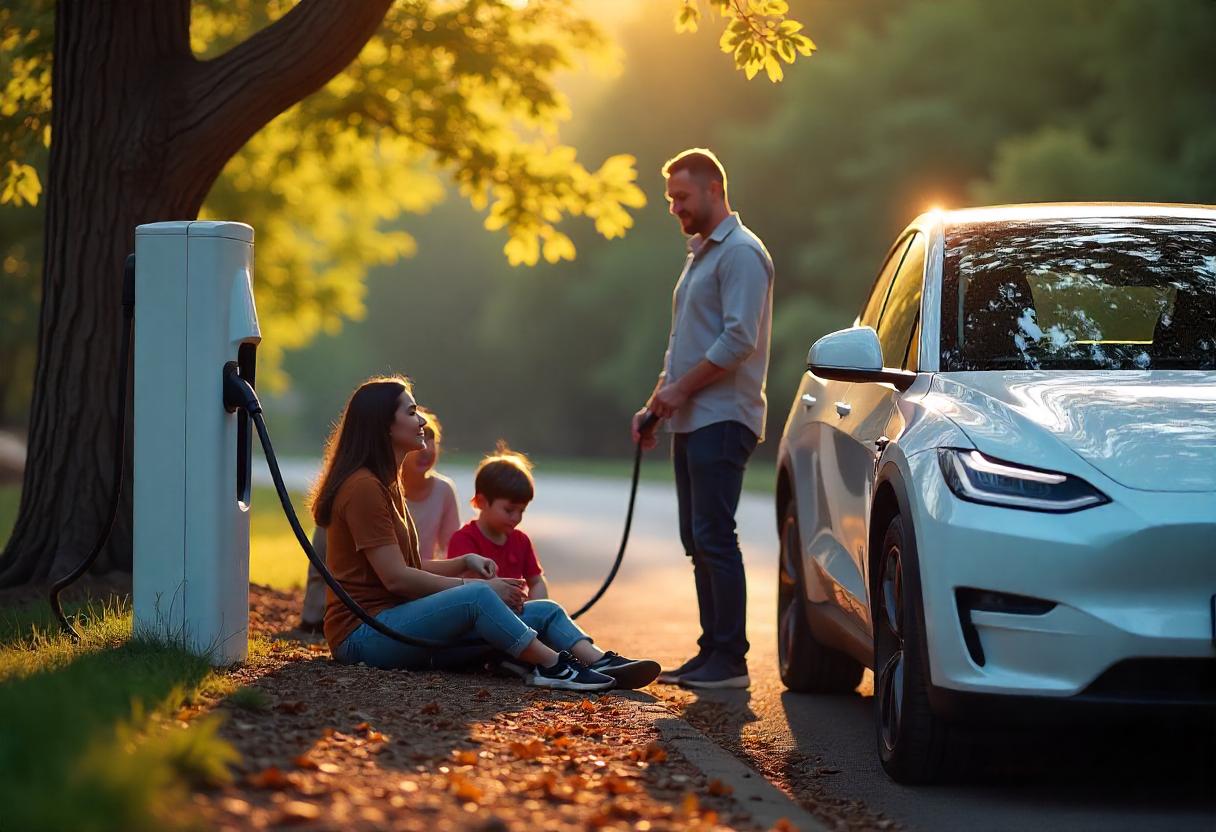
[(512, 591), (476, 566)]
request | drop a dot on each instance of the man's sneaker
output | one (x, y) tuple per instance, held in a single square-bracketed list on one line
[(629, 674), (717, 673), (568, 673), (672, 677)]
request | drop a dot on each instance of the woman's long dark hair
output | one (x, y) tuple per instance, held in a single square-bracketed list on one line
[(361, 439)]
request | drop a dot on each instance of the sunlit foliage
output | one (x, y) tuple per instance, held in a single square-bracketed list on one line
[(759, 33), (455, 92)]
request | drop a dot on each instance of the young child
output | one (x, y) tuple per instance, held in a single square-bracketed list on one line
[(432, 503), (504, 487)]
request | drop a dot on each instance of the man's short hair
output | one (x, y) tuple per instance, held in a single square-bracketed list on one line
[(505, 474), (700, 162)]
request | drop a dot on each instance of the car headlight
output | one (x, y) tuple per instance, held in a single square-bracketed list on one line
[(975, 477)]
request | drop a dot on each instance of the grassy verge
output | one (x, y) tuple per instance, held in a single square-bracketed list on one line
[(89, 739)]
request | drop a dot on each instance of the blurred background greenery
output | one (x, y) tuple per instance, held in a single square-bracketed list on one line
[(907, 104)]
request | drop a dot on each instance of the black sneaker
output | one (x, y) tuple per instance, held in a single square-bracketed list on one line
[(672, 677), (569, 674), (630, 674), (718, 673)]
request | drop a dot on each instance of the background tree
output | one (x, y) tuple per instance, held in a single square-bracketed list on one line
[(148, 109)]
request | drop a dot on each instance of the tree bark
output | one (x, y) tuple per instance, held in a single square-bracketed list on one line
[(140, 131)]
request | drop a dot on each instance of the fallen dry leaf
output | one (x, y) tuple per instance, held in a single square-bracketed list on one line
[(297, 811), (651, 753), (466, 758), (430, 708), (719, 789), (304, 761), (271, 778), (619, 785), (528, 750), (464, 788)]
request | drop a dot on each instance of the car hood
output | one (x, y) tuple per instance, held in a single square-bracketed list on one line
[(1154, 431)]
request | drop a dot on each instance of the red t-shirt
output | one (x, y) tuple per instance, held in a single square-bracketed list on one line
[(515, 557)]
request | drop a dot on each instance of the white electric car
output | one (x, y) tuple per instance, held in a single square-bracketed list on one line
[(998, 489)]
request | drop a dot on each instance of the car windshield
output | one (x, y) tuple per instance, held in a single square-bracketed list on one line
[(1126, 293)]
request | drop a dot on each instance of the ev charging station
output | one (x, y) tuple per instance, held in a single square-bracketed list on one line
[(195, 314)]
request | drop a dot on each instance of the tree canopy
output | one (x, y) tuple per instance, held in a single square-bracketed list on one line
[(461, 92)]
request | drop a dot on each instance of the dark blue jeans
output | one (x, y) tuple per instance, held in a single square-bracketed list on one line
[(709, 465)]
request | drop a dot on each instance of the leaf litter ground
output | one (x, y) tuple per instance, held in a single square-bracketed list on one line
[(328, 746)]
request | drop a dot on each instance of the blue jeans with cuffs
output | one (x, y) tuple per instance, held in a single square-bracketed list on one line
[(472, 610)]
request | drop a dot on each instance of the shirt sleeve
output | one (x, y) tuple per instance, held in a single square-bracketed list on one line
[(743, 286), (531, 563), (449, 520), (461, 543), (369, 514)]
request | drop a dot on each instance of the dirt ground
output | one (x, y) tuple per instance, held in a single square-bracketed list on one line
[(328, 746)]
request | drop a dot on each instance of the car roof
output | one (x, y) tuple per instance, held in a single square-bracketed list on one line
[(1042, 211)]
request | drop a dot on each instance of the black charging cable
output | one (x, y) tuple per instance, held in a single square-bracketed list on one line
[(120, 458)]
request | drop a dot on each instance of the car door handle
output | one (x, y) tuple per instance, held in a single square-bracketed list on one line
[(808, 401), (843, 408)]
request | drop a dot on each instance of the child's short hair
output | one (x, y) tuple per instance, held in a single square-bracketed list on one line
[(505, 474)]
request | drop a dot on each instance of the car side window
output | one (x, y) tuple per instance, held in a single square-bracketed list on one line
[(903, 305), (912, 354), (872, 311)]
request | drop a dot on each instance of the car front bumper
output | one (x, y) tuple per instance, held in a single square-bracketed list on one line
[(1109, 603)]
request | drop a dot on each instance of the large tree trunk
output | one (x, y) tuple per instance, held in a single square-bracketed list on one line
[(140, 131)]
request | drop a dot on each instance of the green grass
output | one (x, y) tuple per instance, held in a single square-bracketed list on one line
[(89, 741), (275, 557)]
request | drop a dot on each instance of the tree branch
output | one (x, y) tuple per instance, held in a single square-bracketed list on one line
[(235, 95)]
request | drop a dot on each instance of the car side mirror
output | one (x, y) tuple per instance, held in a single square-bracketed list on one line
[(854, 354)]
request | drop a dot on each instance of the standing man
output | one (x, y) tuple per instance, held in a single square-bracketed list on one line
[(711, 392)]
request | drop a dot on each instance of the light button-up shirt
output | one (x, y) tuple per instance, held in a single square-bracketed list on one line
[(722, 310)]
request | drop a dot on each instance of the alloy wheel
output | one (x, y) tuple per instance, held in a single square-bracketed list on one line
[(890, 682), (788, 589)]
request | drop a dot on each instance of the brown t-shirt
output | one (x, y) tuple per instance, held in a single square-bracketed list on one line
[(365, 515)]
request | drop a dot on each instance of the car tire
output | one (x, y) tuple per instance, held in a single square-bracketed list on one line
[(805, 664), (914, 743)]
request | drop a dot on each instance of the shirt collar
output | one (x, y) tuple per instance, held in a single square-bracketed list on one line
[(723, 230)]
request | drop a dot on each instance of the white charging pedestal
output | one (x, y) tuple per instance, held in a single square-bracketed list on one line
[(194, 312)]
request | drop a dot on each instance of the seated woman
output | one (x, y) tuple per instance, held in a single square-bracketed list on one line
[(430, 499), (373, 552)]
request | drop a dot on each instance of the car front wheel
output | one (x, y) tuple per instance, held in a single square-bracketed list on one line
[(913, 742), (806, 665)]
